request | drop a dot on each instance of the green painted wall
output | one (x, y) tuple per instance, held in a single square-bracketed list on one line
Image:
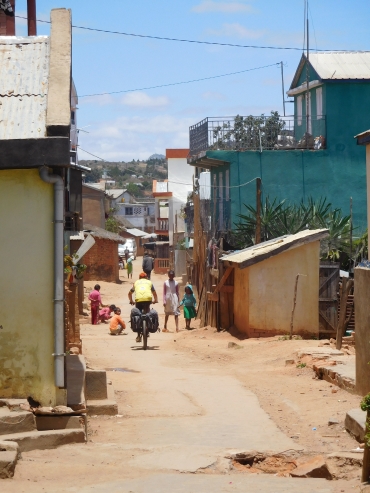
[(336, 173), (295, 175)]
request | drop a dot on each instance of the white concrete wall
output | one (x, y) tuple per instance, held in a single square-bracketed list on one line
[(180, 183)]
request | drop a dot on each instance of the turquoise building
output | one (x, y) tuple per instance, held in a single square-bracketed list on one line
[(310, 154)]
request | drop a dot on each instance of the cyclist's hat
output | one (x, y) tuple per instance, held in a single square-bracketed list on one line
[(142, 275)]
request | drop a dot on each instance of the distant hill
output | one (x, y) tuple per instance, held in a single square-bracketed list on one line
[(157, 156)]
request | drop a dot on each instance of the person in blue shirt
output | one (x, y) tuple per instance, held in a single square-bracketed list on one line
[(189, 302)]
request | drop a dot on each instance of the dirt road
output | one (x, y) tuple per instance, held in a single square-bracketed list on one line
[(185, 406)]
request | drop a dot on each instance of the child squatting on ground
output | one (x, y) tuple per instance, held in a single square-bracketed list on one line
[(117, 325), (189, 302), (105, 314)]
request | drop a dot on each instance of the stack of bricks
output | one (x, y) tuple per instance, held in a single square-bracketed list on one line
[(101, 260)]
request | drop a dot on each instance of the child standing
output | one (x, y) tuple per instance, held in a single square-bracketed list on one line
[(117, 325), (95, 300), (189, 303)]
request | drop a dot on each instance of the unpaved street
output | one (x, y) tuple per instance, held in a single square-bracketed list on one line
[(185, 406)]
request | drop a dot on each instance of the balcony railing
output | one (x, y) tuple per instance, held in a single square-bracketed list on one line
[(162, 225), (257, 133)]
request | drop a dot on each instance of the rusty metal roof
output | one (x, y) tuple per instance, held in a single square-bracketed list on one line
[(262, 251), (24, 76)]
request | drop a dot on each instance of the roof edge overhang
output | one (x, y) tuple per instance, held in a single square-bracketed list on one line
[(284, 247), (34, 153), (201, 160), (363, 138), (303, 88)]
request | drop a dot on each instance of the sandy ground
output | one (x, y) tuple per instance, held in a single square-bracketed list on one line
[(184, 405)]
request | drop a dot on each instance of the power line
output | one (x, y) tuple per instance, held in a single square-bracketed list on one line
[(178, 83), (87, 152), (193, 41)]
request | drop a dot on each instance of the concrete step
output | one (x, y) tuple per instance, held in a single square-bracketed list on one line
[(45, 423), (355, 423), (8, 461), (96, 384), (102, 407), (16, 422), (42, 440), (13, 404)]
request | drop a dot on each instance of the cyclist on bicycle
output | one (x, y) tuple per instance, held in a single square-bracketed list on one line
[(144, 294)]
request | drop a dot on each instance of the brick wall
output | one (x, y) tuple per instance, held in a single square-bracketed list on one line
[(2, 24), (101, 260)]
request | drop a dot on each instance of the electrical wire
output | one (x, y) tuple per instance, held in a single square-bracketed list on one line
[(87, 152), (193, 41), (178, 83)]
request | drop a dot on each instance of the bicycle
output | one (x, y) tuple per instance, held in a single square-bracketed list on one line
[(143, 324)]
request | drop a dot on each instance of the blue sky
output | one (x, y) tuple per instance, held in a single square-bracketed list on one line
[(136, 124)]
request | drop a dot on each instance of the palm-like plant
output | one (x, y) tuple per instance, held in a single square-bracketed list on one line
[(279, 219)]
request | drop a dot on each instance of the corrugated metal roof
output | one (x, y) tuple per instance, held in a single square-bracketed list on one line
[(262, 251), (24, 76), (115, 193), (341, 65)]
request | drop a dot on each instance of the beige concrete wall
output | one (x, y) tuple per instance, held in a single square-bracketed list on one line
[(26, 286), (362, 328), (60, 70), (264, 307)]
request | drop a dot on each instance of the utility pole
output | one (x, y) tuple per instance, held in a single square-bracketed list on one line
[(282, 84), (258, 209)]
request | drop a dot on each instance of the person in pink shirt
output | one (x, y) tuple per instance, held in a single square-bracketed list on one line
[(105, 314), (95, 302)]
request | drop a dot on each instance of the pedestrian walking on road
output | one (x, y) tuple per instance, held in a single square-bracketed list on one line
[(189, 302), (148, 264), (129, 267), (127, 253), (95, 302), (171, 299)]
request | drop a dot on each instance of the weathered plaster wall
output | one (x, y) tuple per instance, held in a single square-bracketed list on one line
[(264, 293), (26, 286), (93, 207), (362, 327)]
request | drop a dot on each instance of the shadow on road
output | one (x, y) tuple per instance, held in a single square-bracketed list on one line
[(149, 348)]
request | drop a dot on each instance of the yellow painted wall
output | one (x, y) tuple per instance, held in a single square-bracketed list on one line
[(26, 286), (264, 292)]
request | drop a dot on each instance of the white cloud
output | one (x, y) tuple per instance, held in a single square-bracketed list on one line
[(213, 96), (125, 138), (225, 7), (102, 100), (237, 31), (142, 100)]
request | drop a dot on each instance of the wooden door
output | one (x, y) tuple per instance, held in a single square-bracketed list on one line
[(328, 298)]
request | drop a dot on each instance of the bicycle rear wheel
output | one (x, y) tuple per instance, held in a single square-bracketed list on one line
[(145, 335)]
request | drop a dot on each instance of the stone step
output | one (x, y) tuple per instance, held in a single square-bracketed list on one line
[(355, 423), (16, 422), (8, 461), (96, 384), (42, 440), (102, 407), (13, 404), (45, 423)]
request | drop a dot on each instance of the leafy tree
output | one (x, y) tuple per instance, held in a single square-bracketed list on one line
[(112, 224), (249, 132), (93, 176)]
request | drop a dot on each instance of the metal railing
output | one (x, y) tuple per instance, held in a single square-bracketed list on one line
[(257, 133)]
